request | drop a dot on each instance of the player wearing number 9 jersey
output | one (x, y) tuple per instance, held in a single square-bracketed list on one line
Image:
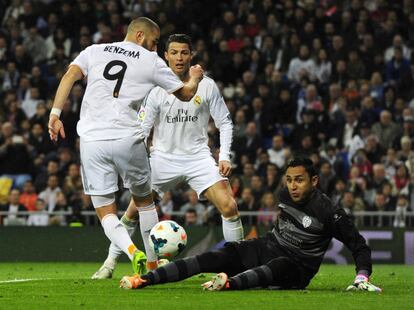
[(119, 76)]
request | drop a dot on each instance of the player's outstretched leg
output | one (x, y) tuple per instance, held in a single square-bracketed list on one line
[(129, 221), (225, 259), (277, 272), (116, 232), (220, 195)]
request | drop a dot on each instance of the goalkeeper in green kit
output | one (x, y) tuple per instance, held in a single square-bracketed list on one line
[(288, 256)]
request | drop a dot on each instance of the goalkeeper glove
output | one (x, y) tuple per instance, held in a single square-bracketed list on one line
[(361, 283)]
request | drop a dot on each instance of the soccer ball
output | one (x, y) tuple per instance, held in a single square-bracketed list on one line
[(167, 239)]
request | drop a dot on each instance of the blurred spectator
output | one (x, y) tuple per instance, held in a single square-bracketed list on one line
[(401, 211), (236, 186), (268, 204), (14, 156), (247, 201), (29, 105), (250, 144), (257, 187), (327, 178), (390, 163), (194, 204), (398, 69), (39, 217), (272, 178), (406, 150), (397, 42), (379, 177), (323, 67), (355, 67), (286, 108), (52, 168), (339, 190), (166, 204), (351, 203), (28, 196), (301, 66), (13, 207), (401, 177), (50, 193), (61, 204), (379, 205), (191, 218), (35, 45), (386, 129), (373, 149)]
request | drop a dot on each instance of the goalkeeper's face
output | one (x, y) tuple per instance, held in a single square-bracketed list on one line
[(299, 183), (179, 57)]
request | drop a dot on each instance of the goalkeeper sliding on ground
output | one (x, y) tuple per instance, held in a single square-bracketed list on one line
[(289, 256)]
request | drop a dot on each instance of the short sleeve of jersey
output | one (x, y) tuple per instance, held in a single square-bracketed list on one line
[(165, 77), (82, 60)]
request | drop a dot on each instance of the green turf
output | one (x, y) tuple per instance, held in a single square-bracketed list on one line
[(66, 286)]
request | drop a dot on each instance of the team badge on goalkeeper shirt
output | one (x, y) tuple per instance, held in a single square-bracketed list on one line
[(306, 221), (197, 100)]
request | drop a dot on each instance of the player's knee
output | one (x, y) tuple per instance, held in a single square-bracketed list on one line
[(280, 263), (99, 201), (229, 208), (141, 190)]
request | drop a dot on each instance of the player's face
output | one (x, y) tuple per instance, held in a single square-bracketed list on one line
[(150, 40), (299, 184), (178, 57)]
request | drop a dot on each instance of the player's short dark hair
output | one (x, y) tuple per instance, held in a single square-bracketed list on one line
[(303, 161), (179, 38)]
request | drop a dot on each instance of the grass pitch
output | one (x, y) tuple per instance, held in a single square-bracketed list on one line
[(67, 286)]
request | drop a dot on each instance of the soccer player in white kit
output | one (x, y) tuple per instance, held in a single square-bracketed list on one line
[(119, 76), (180, 151)]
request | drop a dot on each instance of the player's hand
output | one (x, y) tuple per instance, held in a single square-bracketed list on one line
[(196, 72), (55, 128), (361, 283), (225, 168)]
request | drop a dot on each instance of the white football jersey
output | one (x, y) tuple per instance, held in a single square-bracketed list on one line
[(180, 127), (119, 76)]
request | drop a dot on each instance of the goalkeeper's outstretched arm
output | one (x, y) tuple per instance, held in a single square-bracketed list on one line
[(345, 231)]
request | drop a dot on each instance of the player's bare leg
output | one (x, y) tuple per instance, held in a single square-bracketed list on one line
[(221, 196), (116, 232), (129, 220)]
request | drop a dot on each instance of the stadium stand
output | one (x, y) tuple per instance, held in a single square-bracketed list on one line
[(330, 79)]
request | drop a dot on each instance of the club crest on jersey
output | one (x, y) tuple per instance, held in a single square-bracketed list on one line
[(306, 221), (197, 100)]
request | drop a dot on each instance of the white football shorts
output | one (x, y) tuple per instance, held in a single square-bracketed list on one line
[(103, 161), (199, 171)]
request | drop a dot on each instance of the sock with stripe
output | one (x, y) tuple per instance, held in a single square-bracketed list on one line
[(232, 229), (115, 252), (278, 271), (213, 261), (118, 235)]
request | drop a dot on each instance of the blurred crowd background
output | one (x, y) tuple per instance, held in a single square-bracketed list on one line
[(330, 79)]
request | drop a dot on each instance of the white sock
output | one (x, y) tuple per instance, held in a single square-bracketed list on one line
[(115, 252), (232, 228), (148, 217), (118, 234)]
